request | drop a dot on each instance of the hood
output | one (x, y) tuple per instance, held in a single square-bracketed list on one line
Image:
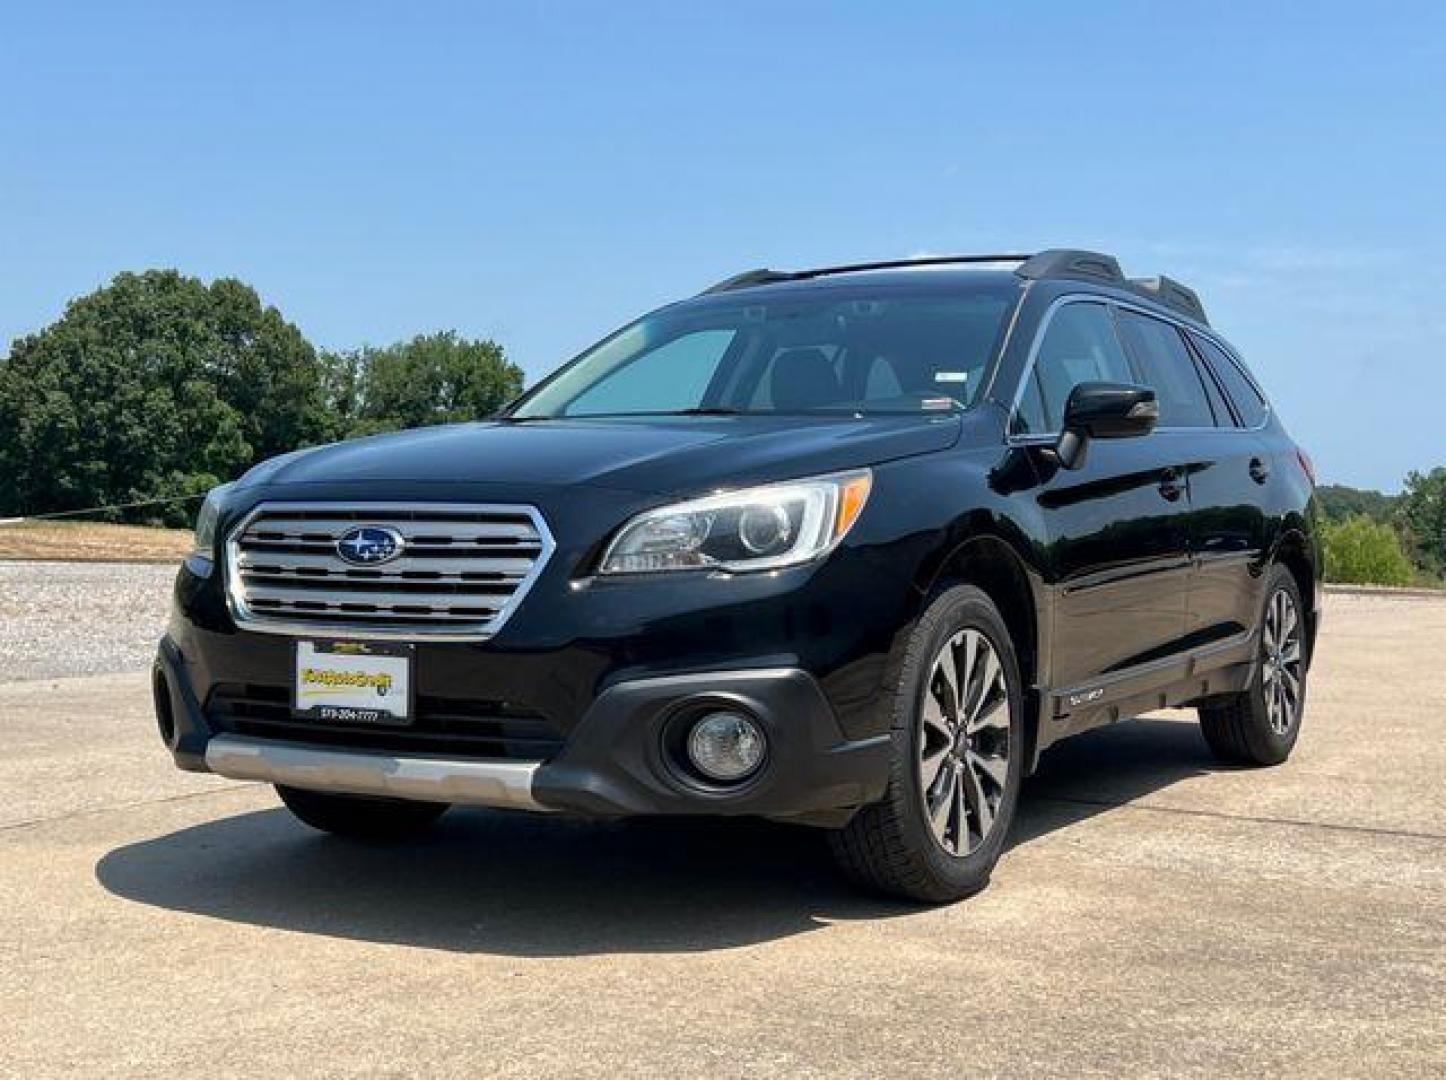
[(659, 455)]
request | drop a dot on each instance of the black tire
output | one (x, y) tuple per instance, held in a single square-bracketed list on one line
[(891, 846), (1243, 729), (360, 817)]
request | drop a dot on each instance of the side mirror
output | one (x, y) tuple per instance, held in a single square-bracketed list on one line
[(1101, 410)]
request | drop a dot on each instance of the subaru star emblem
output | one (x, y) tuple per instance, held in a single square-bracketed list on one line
[(368, 545)]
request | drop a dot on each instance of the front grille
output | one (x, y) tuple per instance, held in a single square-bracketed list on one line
[(444, 727), (463, 569)]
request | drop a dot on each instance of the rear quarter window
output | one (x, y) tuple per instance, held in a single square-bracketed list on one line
[(1250, 406)]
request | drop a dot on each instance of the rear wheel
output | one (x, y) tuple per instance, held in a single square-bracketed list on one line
[(1259, 725), (958, 741), (359, 816)]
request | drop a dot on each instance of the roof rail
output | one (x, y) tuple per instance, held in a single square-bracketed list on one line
[(768, 277), (1172, 294), (1070, 263), (748, 277)]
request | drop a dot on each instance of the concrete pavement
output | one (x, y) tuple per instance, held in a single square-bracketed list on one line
[(1157, 915)]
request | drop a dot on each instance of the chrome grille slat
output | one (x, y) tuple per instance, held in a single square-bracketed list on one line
[(463, 571), (418, 549), (456, 534), (253, 561), (292, 593), (366, 620), (312, 581)]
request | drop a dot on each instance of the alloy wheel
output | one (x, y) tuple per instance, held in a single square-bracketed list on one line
[(963, 745), (1282, 658)]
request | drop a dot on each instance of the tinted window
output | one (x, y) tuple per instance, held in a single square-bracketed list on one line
[(1217, 401), (1168, 368), (830, 350), (1249, 405), (672, 376), (794, 368), (1079, 346)]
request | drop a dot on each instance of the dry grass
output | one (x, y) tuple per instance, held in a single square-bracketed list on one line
[(92, 542)]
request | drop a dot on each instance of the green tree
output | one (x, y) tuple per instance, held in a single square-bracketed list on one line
[(268, 372), (432, 379), (1339, 501), (155, 385), (1423, 513), (1364, 552)]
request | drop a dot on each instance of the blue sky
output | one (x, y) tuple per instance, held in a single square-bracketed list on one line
[(540, 173)]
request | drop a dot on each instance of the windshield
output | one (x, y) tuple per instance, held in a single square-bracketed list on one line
[(825, 351)]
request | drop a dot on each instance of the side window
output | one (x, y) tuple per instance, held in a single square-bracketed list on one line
[(673, 376), (1079, 345), (1168, 367), (1029, 418), (1250, 406), (1216, 396)]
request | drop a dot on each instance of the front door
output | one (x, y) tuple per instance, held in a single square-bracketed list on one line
[(1119, 546), (1117, 527)]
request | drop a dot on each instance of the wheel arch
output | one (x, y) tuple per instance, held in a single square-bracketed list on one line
[(989, 559), (1293, 550)]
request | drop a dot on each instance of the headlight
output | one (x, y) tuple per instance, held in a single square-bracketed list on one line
[(760, 528), (206, 520)]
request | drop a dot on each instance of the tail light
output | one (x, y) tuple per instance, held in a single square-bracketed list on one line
[(1307, 464)]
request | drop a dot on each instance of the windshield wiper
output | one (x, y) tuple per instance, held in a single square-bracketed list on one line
[(719, 410)]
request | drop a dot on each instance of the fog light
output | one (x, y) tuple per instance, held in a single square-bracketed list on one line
[(726, 746)]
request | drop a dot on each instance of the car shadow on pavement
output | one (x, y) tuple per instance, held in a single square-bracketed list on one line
[(1110, 767), (530, 885)]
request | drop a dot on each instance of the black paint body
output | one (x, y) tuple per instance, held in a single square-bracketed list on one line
[(1131, 582)]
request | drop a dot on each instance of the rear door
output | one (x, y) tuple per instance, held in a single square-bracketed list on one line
[(1234, 542), (1117, 526), (1218, 459)]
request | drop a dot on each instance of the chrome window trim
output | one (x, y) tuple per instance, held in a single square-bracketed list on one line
[(1034, 346), (1040, 438), (1234, 357), (986, 392), (245, 619)]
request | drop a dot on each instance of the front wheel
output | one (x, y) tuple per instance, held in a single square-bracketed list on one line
[(1259, 725), (360, 817), (958, 759)]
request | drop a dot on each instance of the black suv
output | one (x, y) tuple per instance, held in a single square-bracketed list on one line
[(847, 547)]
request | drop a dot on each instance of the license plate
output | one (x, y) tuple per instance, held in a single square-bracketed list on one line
[(349, 682)]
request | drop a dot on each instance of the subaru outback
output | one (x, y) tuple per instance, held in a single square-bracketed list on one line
[(848, 547)]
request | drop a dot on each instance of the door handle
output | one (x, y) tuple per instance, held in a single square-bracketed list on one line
[(1259, 470), (1170, 486)]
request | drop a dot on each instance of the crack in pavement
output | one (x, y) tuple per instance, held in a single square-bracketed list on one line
[(1370, 830), (1367, 830), (97, 811)]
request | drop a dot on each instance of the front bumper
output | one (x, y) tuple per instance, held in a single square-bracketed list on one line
[(614, 762), (359, 772), (585, 676)]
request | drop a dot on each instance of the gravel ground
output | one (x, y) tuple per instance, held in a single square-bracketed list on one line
[(62, 619)]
